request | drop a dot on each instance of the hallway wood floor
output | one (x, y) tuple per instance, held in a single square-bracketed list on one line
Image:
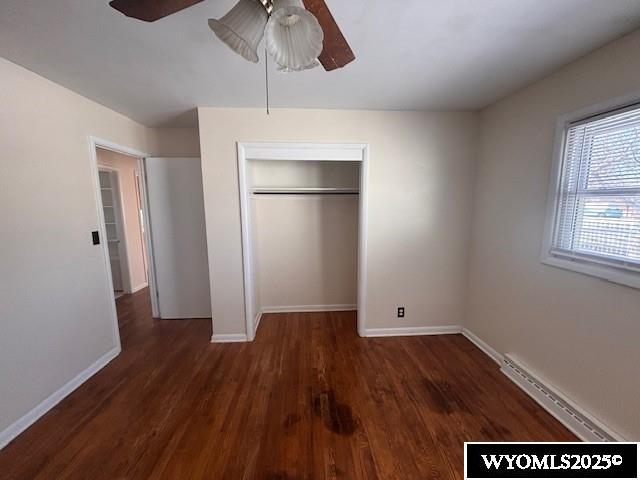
[(308, 399)]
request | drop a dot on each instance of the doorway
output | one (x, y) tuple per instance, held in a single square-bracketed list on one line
[(123, 230), (151, 228)]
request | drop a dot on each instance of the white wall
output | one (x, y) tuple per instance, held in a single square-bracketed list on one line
[(579, 332), (176, 216), (421, 174), (55, 315)]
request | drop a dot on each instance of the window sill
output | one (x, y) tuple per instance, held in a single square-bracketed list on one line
[(610, 274)]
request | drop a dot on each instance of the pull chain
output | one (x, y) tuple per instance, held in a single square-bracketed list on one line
[(266, 76)]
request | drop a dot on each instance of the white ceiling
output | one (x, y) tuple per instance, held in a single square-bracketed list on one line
[(411, 54)]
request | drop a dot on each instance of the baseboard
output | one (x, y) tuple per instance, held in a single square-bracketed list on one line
[(310, 308), (20, 425), (139, 287), (412, 331), (229, 338), (482, 345), (256, 323), (582, 423)]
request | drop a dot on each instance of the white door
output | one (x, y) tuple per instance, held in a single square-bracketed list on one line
[(176, 222), (113, 225)]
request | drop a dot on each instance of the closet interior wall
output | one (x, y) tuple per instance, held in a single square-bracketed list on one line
[(304, 222)]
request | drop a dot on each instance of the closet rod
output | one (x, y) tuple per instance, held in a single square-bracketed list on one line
[(304, 191)]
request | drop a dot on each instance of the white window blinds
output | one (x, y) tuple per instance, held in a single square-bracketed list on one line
[(598, 215)]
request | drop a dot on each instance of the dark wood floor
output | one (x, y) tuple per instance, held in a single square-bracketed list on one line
[(308, 399)]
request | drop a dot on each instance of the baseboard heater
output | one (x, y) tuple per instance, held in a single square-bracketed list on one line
[(570, 416)]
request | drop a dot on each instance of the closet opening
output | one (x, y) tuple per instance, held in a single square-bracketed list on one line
[(303, 210)]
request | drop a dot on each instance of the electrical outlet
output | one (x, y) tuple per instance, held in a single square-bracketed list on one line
[(400, 312)]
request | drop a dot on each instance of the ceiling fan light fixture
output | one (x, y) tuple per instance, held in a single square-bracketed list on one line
[(242, 28), (313, 64), (293, 36)]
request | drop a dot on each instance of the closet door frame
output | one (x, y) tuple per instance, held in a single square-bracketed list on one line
[(333, 152)]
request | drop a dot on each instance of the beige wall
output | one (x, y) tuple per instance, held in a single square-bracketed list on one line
[(54, 313), (421, 173), (579, 332), (127, 169), (306, 250), (307, 174), (175, 142)]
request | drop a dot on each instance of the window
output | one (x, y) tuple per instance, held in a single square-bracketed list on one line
[(595, 219)]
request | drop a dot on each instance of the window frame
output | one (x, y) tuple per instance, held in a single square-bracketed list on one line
[(593, 266)]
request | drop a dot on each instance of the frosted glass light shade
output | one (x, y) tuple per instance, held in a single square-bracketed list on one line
[(242, 28), (293, 37), (277, 4), (313, 64)]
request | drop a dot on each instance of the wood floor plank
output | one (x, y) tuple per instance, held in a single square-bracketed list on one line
[(309, 399)]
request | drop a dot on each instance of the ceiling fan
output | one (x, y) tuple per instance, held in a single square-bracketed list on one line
[(299, 34)]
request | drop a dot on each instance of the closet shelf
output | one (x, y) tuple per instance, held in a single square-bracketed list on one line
[(305, 191)]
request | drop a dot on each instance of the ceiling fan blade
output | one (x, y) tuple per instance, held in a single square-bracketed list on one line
[(336, 52), (151, 10)]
